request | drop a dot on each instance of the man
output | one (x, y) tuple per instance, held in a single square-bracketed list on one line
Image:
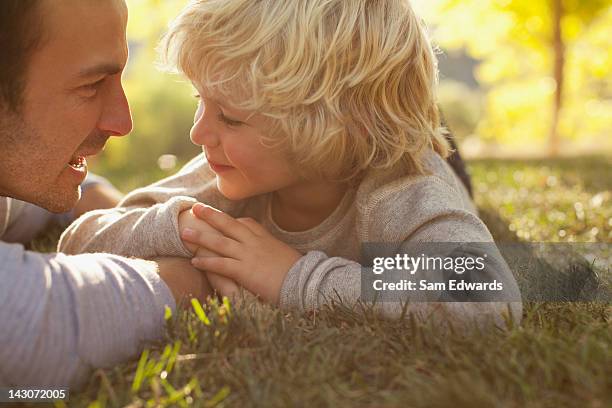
[(61, 98)]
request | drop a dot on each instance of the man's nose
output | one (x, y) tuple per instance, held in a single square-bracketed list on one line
[(116, 117), (203, 132)]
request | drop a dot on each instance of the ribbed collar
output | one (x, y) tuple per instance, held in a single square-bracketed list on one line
[(332, 222)]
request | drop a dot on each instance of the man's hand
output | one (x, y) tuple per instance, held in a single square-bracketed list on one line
[(183, 279), (248, 253)]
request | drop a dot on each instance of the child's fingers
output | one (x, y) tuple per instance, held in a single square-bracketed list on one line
[(222, 222), (224, 286), (201, 251), (193, 248), (187, 219), (216, 243), (255, 227), (228, 267)]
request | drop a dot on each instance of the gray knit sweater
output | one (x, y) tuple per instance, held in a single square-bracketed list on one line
[(385, 207)]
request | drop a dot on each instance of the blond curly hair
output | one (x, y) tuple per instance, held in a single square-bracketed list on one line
[(349, 85)]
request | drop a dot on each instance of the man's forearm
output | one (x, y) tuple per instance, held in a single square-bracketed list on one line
[(64, 315)]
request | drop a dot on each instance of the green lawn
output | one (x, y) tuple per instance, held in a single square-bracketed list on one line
[(254, 355)]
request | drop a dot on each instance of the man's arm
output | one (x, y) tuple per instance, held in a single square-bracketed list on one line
[(63, 316)]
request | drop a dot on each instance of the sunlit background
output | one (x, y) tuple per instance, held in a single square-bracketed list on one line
[(522, 78)]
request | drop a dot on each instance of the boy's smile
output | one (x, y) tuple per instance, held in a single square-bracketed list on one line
[(246, 167), (233, 143)]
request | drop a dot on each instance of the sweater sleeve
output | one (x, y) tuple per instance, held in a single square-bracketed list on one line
[(30, 219), (63, 316), (317, 279), (145, 223)]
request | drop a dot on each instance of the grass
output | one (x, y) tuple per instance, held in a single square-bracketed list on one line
[(253, 355), (563, 200)]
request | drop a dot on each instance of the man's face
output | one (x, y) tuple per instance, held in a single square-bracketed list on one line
[(72, 103)]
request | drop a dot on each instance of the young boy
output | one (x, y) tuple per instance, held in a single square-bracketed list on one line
[(320, 133)]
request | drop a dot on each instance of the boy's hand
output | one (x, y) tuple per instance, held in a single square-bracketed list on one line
[(248, 253), (187, 220)]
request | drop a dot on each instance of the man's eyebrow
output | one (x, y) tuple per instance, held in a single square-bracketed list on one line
[(100, 69)]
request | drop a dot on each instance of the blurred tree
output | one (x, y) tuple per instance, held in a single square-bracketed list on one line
[(534, 54)]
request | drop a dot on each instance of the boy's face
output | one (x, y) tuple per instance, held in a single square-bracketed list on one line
[(73, 102), (233, 146)]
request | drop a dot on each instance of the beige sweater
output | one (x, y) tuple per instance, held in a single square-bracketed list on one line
[(385, 207)]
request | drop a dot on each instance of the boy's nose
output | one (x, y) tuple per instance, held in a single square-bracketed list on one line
[(203, 137), (202, 134)]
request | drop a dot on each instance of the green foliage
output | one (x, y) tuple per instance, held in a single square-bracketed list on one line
[(513, 39), (162, 104), (162, 111), (461, 107)]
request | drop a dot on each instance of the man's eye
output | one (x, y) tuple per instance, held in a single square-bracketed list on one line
[(90, 90), (228, 121)]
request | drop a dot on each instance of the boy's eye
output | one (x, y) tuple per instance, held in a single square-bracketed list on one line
[(220, 116), (228, 121)]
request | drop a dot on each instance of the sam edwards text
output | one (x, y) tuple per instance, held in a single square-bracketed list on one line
[(423, 284)]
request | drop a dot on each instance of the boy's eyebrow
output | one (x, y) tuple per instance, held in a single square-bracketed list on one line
[(218, 102), (101, 69), (215, 100)]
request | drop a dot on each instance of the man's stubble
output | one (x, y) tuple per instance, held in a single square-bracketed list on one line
[(25, 164)]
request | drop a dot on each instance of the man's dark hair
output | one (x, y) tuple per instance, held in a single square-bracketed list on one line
[(20, 35)]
